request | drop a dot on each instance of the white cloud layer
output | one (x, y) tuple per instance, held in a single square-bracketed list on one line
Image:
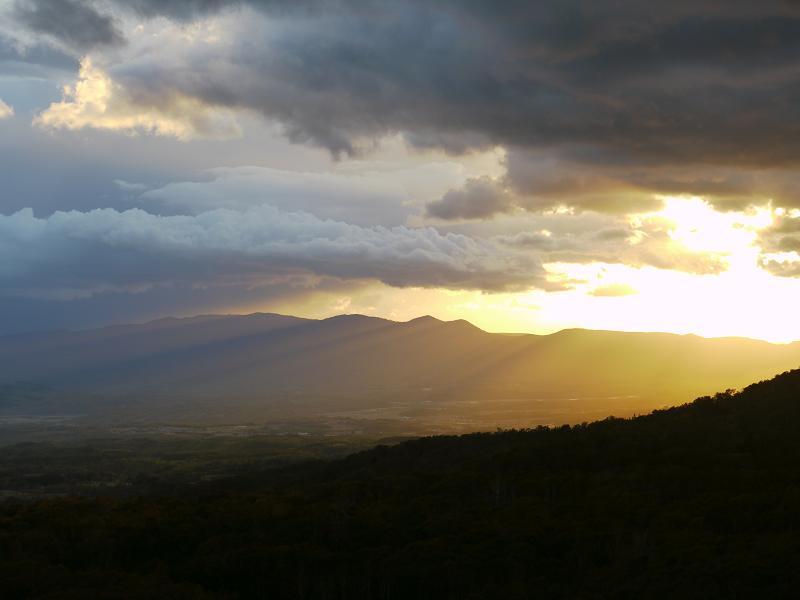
[(76, 254)]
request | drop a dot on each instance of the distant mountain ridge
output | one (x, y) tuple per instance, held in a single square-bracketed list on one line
[(267, 358)]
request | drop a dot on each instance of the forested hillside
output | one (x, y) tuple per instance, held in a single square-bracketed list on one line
[(698, 501)]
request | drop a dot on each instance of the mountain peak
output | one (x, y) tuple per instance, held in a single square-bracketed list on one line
[(424, 319), (352, 317)]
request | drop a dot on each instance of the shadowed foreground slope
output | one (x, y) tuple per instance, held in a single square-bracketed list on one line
[(699, 501)]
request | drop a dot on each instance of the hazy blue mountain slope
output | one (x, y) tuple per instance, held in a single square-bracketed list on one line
[(265, 358)]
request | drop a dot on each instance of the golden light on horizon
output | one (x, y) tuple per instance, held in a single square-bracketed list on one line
[(742, 299)]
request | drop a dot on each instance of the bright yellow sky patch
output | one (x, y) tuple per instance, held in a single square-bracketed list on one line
[(744, 300)]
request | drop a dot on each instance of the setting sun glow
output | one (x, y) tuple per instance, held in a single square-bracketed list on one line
[(737, 298)]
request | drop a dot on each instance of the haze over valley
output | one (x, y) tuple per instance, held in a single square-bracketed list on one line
[(355, 374)]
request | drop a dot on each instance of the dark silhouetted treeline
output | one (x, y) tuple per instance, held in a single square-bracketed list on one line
[(699, 501)]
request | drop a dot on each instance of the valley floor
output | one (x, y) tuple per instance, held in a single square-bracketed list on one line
[(699, 501)]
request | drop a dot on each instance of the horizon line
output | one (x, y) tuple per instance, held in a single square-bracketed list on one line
[(419, 317)]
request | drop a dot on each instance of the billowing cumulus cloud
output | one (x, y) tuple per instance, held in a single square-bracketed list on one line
[(6, 111), (98, 102), (77, 254)]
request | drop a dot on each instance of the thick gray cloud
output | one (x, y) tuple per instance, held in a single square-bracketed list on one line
[(477, 199), (626, 97), (538, 181), (596, 74), (673, 87), (78, 254), (75, 23)]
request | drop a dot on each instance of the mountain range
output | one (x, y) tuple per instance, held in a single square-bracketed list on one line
[(447, 373)]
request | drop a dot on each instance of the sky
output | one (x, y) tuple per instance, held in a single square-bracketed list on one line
[(526, 166)]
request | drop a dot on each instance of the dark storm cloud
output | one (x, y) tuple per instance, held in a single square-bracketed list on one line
[(673, 86), (626, 94), (76, 23), (610, 82)]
